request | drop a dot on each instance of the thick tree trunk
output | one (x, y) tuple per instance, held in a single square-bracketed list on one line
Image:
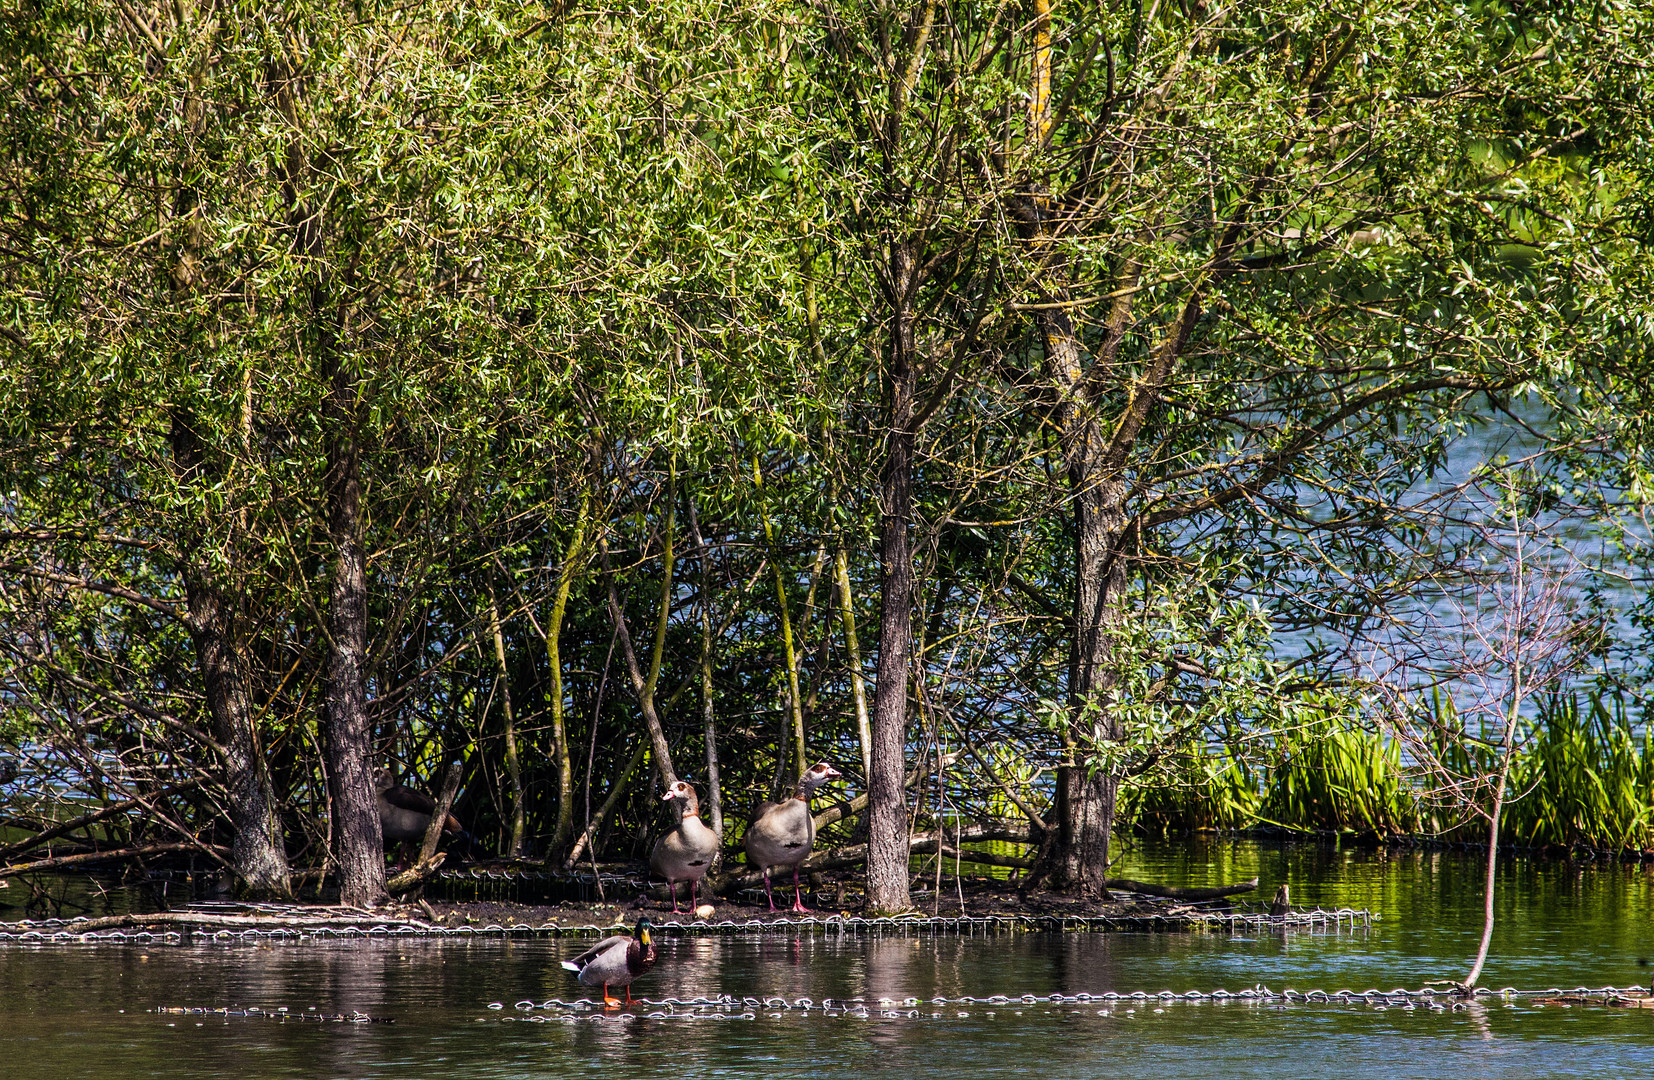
[(358, 847), (1085, 792), (257, 851), (887, 831)]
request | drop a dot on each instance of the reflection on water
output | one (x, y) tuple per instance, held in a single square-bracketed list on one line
[(61, 1009)]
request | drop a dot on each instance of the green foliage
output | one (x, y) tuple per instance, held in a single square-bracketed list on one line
[(1587, 777), (1335, 774), (577, 258)]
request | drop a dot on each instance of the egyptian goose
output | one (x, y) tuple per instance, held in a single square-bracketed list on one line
[(684, 852), (404, 814), (781, 834)]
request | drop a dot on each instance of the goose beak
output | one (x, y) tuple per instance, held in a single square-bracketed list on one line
[(668, 797)]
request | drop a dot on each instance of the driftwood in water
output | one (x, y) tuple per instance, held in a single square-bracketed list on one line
[(1179, 892), (57, 862)]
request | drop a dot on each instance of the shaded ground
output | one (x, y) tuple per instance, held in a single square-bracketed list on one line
[(829, 894)]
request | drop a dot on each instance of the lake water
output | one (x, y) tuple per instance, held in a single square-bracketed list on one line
[(70, 1011)]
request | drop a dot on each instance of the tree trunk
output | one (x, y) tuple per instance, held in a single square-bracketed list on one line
[(643, 685), (847, 616), (257, 851), (358, 847), (709, 723), (794, 724), (1085, 792), (564, 828), (513, 766), (887, 831)]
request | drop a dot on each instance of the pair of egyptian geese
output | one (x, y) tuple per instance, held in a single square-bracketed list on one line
[(779, 834)]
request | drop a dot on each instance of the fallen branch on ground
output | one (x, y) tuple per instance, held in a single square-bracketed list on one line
[(415, 874), (1180, 892), (106, 856)]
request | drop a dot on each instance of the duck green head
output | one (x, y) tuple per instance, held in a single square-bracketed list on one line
[(643, 930)]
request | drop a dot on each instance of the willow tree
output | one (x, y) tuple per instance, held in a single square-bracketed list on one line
[(1267, 262), (1274, 255), (249, 296)]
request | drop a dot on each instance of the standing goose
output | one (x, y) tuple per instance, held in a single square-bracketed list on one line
[(404, 814), (684, 852), (781, 834), (615, 961)]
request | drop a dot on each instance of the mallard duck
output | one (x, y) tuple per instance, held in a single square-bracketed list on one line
[(405, 813), (685, 851), (781, 834), (616, 961)]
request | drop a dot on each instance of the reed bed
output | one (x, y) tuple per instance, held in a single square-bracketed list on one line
[(1582, 777)]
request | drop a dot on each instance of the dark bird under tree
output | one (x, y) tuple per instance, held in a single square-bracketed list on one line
[(405, 814)]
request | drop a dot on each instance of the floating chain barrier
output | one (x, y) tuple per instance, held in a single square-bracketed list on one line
[(307, 1016), (729, 1007), (63, 932)]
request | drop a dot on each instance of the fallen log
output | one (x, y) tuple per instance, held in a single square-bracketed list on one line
[(1180, 892), (192, 918), (854, 854), (104, 856), (416, 874)]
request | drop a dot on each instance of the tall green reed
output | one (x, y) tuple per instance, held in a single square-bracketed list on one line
[(1583, 774)]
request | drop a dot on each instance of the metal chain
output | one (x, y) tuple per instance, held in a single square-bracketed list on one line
[(62, 931), (729, 1007)]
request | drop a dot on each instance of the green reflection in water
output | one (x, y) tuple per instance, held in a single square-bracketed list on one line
[(60, 1008)]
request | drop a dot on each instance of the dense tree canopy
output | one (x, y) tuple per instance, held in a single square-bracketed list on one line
[(996, 399)]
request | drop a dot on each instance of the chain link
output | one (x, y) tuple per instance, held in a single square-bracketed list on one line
[(729, 1007), (63, 932)]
